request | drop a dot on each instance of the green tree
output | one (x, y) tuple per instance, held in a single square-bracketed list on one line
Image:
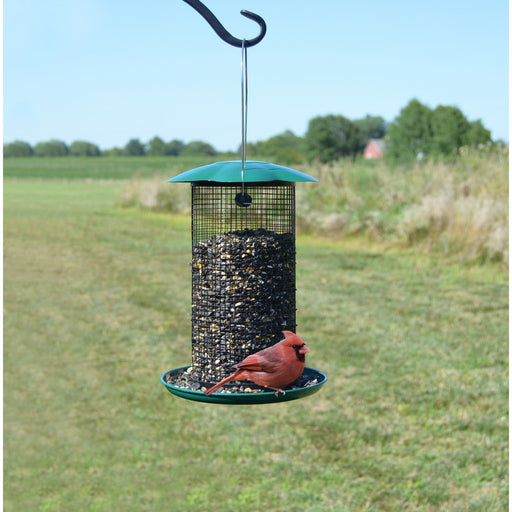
[(134, 147), (156, 146), (18, 148), (371, 127), (174, 147), (51, 148), (449, 129), (285, 148), (115, 151), (331, 137), (254, 149), (199, 148), (84, 148), (477, 134), (409, 135)]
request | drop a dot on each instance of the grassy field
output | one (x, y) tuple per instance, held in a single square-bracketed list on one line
[(456, 208), (104, 168), (414, 415)]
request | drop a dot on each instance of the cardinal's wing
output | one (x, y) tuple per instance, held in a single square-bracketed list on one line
[(265, 361), (250, 363)]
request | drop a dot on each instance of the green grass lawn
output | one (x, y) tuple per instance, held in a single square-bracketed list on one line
[(414, 415)]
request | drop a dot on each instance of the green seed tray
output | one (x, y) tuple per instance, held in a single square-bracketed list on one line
[(265, 397)]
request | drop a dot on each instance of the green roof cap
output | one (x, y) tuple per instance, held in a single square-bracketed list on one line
[(231, 172)]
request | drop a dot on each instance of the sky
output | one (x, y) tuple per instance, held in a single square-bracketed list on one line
[(107, 71)]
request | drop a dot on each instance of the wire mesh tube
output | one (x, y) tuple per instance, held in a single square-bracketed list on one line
[(243, 273)]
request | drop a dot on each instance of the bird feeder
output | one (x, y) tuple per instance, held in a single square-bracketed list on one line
[(243, 275), (243, 270)]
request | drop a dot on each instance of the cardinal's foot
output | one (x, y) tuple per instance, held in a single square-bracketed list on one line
[(278, 390)]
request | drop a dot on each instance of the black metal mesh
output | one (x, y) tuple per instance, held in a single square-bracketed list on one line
[(243, 273), (214, 210)]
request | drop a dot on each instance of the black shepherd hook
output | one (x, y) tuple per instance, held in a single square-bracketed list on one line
[(222, 32)]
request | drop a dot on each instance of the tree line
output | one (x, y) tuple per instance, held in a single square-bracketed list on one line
[(134, 147), (418, 131)]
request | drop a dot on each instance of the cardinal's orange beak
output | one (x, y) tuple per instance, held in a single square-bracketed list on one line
[(304, 350)]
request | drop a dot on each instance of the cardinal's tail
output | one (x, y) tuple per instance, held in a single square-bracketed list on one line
[(220, 384)]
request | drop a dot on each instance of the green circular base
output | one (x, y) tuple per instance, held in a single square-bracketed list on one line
[(265, 397)]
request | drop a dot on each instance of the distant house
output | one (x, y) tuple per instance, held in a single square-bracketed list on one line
[(374, 148)]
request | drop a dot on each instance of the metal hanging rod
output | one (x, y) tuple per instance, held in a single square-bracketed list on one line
[(222, 32)]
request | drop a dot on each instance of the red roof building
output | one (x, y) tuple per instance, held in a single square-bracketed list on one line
[(374, 149)]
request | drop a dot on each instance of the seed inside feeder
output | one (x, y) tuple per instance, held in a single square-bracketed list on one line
[(243, 296)]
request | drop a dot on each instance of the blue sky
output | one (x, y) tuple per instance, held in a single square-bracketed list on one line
[(110, 70)]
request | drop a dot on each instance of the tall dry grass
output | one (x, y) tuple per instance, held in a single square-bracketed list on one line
[(463, 208), (459, 207), (155, 194)]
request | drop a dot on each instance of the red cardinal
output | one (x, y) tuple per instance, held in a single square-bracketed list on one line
[(273, 367)]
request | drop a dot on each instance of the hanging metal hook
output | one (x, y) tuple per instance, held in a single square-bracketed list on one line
[(222, 32)]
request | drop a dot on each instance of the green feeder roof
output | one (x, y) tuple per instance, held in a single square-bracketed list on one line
[(231, 172)]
